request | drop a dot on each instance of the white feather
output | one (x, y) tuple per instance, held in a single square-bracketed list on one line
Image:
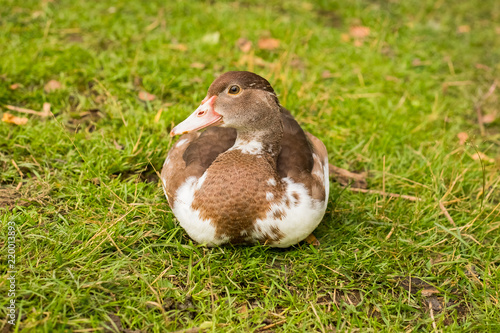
[(200, 230), (301, 217)]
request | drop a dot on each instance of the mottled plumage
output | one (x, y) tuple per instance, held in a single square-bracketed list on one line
[(257, 178)]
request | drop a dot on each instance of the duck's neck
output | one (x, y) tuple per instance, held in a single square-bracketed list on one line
[(259, 142)]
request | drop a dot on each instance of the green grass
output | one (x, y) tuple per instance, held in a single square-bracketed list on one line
[(97, 245)]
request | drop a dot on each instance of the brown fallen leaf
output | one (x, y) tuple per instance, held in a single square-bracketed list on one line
[(51, 86), (483, 157), (462, 29), (178, 47), (244, 45), (344, 177), (243, 311), (327, 75), (312, 240), (359, 32), (297, 62), (14, 86), (426, 292), (462, 136), (481, 66), (197, 65), (45, 110), (489, 118), (145, 96), (391, 78), (11, 119), (158, 115), (117, 145), (417, 62), (268, 43)]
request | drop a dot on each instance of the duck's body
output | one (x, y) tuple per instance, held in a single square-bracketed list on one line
[(264, 180)]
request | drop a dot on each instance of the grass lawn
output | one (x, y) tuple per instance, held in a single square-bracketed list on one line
[(406, 90)]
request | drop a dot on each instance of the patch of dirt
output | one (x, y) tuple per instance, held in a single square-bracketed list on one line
[(414, 285), (331, 18), (87, 118), (115, 326), (430, 298), (9, 196), (147, 175), (186, 307), (340, 297), (84, 120), (29, 193), (7, 328)]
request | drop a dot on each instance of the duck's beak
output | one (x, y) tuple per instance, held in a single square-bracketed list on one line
[(204, 116)]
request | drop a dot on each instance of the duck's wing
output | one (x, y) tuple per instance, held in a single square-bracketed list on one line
[(192, 155), (303, 158)]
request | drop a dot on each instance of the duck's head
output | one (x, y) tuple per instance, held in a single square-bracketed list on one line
[(241, 100)]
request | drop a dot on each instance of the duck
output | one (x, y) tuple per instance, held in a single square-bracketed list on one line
[(252, 176)]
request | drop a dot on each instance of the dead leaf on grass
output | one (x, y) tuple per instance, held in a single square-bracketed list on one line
[(11, 119), (392, 78), (51, 86), (427, 292), (417, 62), (178, 47), (326, 75), (297, 62), (484, 67), (359, 31), (14, 86), (312, 240), (244, 45), (358, 43), (243, 311), (45, 110), (463, 29), (268, 43), (462, 136), (345, 177), (146, 97), (489, 118), (197, 65), (483, 157), (117, 145)]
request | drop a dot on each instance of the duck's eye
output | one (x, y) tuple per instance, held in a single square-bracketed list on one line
[(234, 90)]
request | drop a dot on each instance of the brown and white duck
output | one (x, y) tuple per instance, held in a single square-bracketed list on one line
[(254, 176)]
